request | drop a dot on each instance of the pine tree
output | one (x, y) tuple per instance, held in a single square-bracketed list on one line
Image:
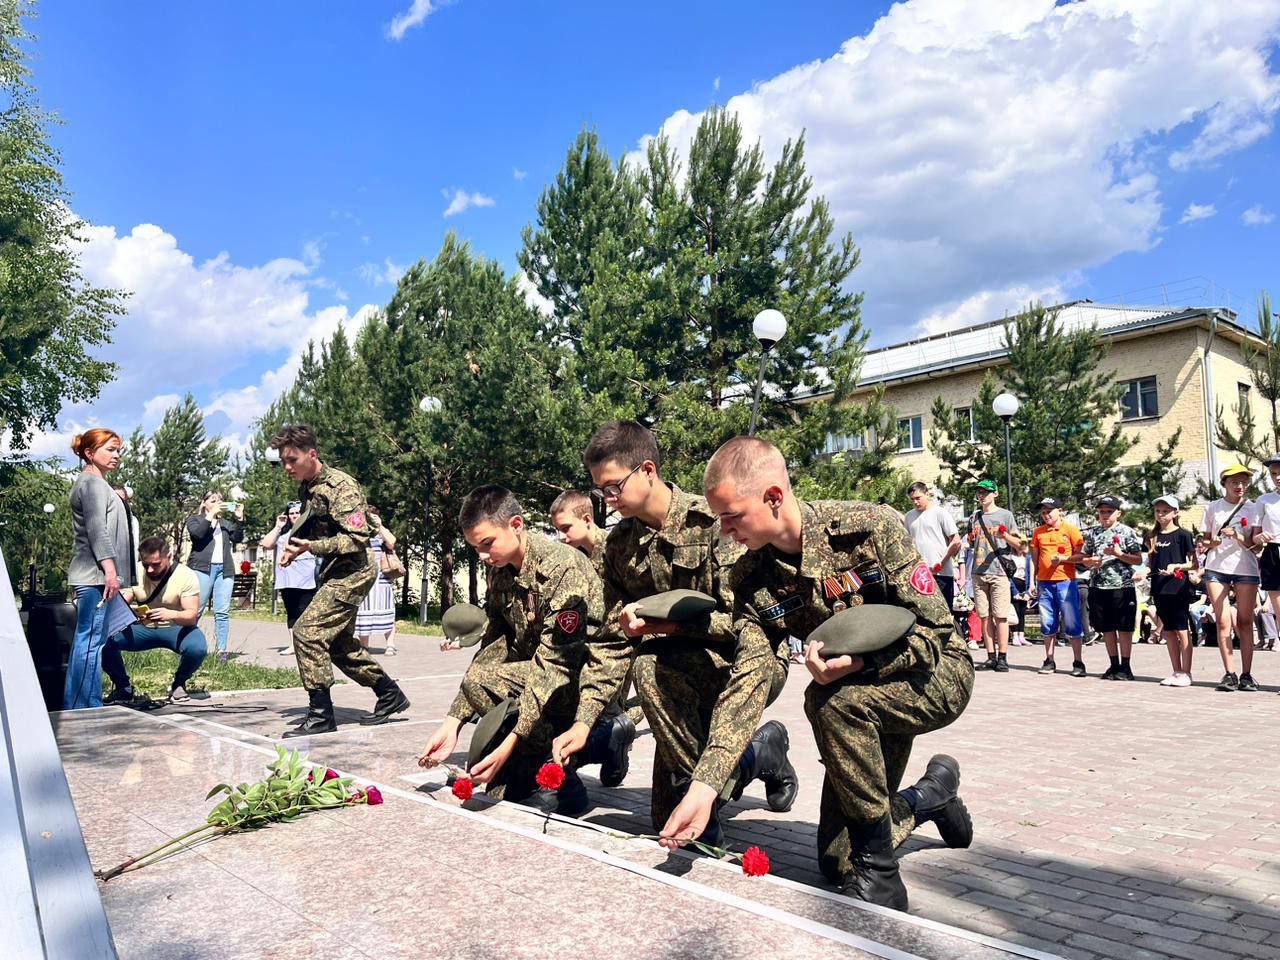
[(1251, 442), (1061, 443)]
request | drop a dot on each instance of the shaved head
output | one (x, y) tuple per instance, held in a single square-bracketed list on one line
[(749, 464)]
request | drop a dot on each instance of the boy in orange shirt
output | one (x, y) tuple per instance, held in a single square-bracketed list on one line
[(1056, 549)]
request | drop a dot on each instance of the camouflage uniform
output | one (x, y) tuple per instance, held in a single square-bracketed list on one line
[(703, 691), (540, 620), (324, 635), (598, 537), (853, 553)]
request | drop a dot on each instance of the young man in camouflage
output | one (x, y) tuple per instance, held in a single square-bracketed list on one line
[(1111, 550), (571, 515), (804, 562), (544, 605), (332, 527), (703, 689)]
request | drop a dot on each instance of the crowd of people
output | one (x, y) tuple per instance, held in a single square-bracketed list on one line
[(1112, 582)]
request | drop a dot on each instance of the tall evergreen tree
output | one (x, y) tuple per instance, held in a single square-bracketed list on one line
[(50, 318), (1250, 441)]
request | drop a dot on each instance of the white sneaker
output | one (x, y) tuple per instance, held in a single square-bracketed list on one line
[(974, 645), (1181, 680), (1170, 680)]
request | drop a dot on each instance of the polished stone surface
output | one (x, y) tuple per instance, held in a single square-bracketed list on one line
[(417, 876)]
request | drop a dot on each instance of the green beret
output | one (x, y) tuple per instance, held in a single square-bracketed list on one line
[(676, 605), (863, 629), (464, 622), (493, 726)]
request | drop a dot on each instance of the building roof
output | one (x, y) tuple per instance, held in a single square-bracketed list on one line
[(983, 343)]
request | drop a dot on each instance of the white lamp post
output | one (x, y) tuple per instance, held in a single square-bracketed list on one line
[(428, 405), (769, 326), (1006, 407)]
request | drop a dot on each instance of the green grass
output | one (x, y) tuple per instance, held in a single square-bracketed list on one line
[(263, 612), (151, 672)]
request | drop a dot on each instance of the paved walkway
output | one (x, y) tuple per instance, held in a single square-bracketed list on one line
[(1113, 820)]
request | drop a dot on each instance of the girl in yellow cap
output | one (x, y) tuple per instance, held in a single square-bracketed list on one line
[(1228, 564)]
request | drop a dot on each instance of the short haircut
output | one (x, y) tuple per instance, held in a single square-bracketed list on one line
[(488, 504), (571, 501), (296, 435), (153, 545), (918, 487), (626, 441), (751, 464)]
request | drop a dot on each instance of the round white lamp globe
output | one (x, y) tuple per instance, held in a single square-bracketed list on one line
[(769, 326), (1006, 405)]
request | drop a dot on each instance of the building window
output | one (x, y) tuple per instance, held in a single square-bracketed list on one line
[(964, 415), (1242, 395), (1139, 399), (911, 433), (845, 443)]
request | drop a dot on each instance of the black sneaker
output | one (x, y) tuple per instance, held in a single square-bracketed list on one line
[(1123, 673), (1001, 666), (988, 664), (1229, 683), (1247, 682), (1078, 670), (1048, 666), (121, 695), (1112, 673)]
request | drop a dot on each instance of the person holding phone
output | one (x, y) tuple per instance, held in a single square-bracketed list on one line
[(213, 540), (297, 581)]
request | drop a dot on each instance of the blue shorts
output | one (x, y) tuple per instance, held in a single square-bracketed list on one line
[(1213, 576), (1060, 608)]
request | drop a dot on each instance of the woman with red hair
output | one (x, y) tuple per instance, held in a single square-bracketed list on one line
[(100, 562)]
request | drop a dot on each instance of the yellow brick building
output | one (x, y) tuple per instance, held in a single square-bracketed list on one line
[(1178, 365)]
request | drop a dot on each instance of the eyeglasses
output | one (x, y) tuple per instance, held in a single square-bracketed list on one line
[(611, 491)]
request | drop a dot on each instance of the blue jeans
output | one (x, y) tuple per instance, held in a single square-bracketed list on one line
[(1060, 608), (84, 665), (187, 642), (220, 587)]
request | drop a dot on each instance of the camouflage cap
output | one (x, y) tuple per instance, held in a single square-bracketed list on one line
[(493, 726), (863, 629), (678, 605), (465, 623)]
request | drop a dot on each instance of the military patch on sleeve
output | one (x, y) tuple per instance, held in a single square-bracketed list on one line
[(356, 519), (569, 622), (922, 580), (782, 608)]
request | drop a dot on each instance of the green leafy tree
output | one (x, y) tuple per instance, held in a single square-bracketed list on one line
[(1250, 441), (655, 276), (1066, 440), (50, 318), (29, 535)]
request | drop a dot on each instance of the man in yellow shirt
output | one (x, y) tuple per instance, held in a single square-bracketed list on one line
[(1056, 549), (170, 593)]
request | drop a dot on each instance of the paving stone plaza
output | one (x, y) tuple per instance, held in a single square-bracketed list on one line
[(1112, 820)]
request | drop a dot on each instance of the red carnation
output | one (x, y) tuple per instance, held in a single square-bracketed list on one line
[(1178, 574), (755, 862), (937, 568), (1115, 540), (330, 775), (373, 795), (551, 776), (463, 788), (245, 566), (1244, 522), (1002, 529), (1062, 549)]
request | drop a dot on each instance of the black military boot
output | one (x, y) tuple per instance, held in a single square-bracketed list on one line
[(391, 700), (609, 745), (319, 718), (875, 877), (766, 758), (937, 801)]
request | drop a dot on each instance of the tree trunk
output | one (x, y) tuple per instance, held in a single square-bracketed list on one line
[(473, 585), (447, 567)]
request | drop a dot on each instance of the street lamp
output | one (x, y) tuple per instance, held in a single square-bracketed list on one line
[(428, 405), (37, 554), (1006, 407), (769, 326), (272, 455)]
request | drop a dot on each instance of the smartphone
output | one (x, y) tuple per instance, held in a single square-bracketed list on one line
[(228, 506)]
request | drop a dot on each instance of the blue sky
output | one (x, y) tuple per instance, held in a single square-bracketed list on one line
[(258, 174)]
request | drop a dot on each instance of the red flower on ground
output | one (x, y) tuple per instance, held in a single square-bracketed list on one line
[(330, 775), (245, 566), (374, 796), (463, 788), (755, 862), (550, 776)]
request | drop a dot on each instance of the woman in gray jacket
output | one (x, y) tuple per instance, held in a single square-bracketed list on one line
[(100, 563), (213, 540)]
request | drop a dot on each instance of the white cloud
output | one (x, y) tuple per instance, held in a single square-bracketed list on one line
[(387, 272), (531, 295), (1256, 216), (715, 84), (153, 410), (415, 16), (990, 305), (975, 147), (519, 174), (461, 200), (1198, 211)]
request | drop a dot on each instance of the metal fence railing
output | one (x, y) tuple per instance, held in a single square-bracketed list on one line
[(49, 902)]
